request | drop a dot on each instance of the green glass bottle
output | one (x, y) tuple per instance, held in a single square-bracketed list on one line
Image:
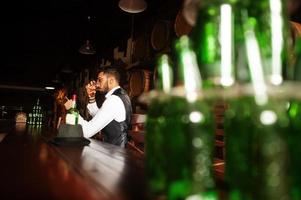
[(270, 24), (294, 113), (189, 132), (30, 117), (72, 114), (261, 153), (256, 122), (251, 36), (156, 161), (297, 60), (214, 41)]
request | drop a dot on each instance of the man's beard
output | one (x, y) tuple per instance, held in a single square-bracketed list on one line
[(105, 89)]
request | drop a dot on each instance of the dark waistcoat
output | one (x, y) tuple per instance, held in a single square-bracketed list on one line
[(116, 132)]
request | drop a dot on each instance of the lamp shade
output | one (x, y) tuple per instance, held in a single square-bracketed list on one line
[(87, 48), (190, 11), (132, 6)]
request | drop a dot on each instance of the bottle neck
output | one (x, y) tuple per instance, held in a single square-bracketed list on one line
[(164, 74), (188, 71), (74, 101), (73, 104), (213, 43)]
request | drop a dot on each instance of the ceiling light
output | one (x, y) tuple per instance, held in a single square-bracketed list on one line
[(49, 88), (132, 6)]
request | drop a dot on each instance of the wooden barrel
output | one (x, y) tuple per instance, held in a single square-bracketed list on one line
[(155, 76), (160, 35), (139, 82), (190, 11), (182, 27)]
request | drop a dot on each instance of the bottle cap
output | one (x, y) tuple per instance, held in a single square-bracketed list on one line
[(74, 97)]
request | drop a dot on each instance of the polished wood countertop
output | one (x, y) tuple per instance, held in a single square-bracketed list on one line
[(31, 167)]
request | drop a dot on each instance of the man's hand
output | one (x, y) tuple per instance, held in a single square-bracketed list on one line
[(68, 104), (91, 89)]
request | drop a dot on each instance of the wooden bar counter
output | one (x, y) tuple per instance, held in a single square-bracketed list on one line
[(33, 168)]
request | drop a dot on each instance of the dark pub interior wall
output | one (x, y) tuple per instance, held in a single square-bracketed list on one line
[(42, 39)]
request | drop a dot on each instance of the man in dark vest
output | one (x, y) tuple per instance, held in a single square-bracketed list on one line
[(113, 118)]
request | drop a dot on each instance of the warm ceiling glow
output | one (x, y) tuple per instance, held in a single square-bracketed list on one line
[(132, 6)]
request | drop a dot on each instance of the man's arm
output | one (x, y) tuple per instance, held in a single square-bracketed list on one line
[(91, 90), (92, 108), (103, 117)]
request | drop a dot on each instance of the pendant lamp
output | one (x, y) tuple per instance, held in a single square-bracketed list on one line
[(132, 6), (87, 48)]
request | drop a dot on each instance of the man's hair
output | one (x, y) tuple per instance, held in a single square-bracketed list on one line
[(112, 71)]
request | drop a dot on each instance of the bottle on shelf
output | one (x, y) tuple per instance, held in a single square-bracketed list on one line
[(36, 116), (30, 119)]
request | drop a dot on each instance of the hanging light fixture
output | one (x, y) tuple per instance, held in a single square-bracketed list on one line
[(87, 48), (132, 6)]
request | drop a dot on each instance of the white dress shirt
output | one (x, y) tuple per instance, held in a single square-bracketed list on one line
[(111, 109)]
